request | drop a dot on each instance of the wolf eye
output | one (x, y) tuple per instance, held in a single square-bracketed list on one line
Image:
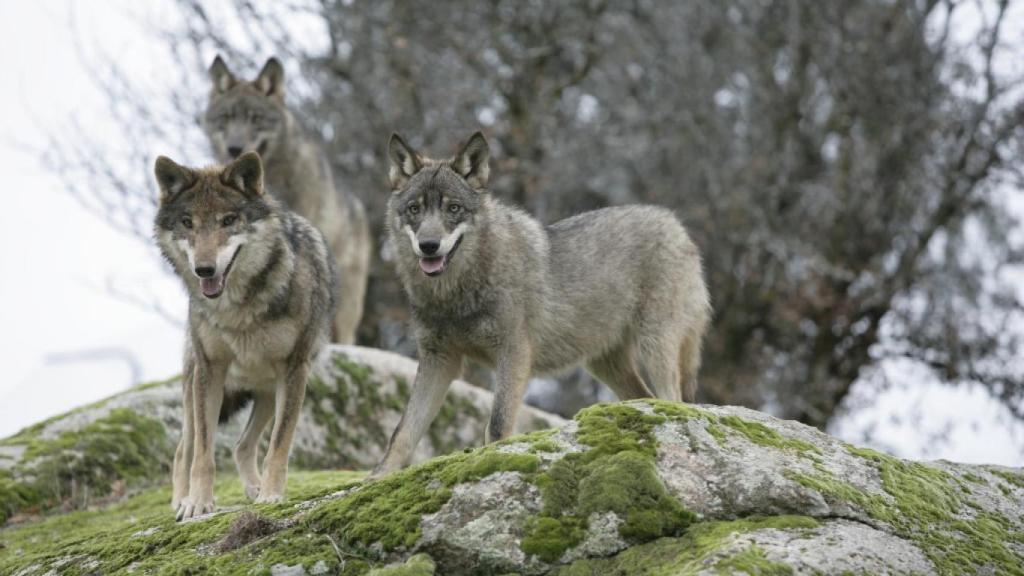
[(186, 222), (229, 220), (454, 208), (413, 209)]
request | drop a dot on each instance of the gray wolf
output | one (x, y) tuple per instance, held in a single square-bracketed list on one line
[(246, 116), (619, 289), (261, 285)]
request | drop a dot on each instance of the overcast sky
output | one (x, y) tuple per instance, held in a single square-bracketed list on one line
[(66, 338)]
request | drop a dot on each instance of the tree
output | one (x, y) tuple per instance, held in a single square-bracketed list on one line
[(844, 166)]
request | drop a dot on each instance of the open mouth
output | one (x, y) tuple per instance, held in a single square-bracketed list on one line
[(435, 265), (213, 286)]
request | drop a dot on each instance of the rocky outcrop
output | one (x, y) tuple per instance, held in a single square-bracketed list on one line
[(643, 487), (354, 400)]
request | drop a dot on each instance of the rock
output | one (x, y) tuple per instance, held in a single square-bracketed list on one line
[(641, 487), (354, 400)]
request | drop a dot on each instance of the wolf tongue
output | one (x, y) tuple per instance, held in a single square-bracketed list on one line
[(431, 265), (211, 286)]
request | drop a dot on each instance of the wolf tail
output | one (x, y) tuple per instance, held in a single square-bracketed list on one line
[(234, 401)]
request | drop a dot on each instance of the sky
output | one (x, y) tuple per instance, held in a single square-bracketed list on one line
[(68, 336)]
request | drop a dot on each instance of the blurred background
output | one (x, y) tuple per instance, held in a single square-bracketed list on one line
[(852, 171)]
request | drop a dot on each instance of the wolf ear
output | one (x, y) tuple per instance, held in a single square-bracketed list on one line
[(246, 174), (405, 163), (271, 79), (221, 76), (472, 162), (171, 177)]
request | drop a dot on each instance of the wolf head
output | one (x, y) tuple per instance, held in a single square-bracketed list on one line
[(435, 205), (207, 216), (246, 116)]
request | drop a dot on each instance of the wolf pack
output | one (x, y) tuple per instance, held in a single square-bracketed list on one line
[(275, 258)]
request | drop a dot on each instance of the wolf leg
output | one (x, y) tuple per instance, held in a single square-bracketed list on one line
[(183, 455), (433, 377), (689, 365), (617, 369), (660, 358), (288, 407), (207, 395), (513, 373), (248, 443)]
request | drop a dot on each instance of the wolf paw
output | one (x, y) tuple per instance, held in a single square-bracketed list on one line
[(189, 508), (269, 498), (252, 491)]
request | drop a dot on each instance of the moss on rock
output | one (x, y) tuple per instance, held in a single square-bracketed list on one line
[(927, 506), (418, 565), (388, 511), (114, 453), (699, 548), (616, 474)]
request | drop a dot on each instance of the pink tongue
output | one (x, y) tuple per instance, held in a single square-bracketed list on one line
[(211, 286), (431, 265)]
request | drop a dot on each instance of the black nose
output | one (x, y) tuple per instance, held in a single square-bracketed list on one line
[(429, 246), (235, 151), (205, 271)]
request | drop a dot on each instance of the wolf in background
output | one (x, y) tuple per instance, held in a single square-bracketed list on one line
[(261, 288), (252, 116), (619, 289)]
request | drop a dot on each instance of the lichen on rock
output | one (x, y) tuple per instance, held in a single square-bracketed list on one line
[(643, 487)]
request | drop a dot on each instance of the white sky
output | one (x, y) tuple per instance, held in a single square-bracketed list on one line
[(58, 260)]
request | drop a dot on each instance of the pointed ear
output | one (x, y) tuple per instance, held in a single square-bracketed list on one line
[(245, 174), (271, 79), (404, 162), (473, 161), (221, 76), (171, 177)]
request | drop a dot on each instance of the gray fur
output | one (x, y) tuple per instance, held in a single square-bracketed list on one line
[(257, 334), (618, 289), (252, 116)]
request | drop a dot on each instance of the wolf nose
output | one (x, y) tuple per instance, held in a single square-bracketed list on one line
[(205, 271), (429, 246), (235, 151)]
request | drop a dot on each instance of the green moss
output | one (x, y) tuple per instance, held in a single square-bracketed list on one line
[(1011, 477), (139, 534), (77, 468), (719, 427), (389, 510), (544, 446), (751, 561), (418, 565), (548, 538), (927, 506), (617, 474), (973, 478), (764, 436), (698, 549)]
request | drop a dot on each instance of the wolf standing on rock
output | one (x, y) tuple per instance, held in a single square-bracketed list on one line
[(261, 287), (252, 116), (619, 289)]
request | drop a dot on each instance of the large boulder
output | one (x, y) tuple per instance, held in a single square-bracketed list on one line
[(643, 487), (354, 400)]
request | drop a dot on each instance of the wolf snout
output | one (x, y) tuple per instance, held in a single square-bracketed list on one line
[(429, 247), (205, 271), (234, 151)]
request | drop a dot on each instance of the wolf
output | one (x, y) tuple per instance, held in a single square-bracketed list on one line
[(244, 116), (619, 289), (261, 287)]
